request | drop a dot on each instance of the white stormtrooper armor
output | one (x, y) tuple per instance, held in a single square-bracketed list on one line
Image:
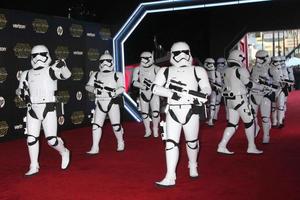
[(261, 92), (278, 103), (143, 77), (221, 66), (180, 83), (108, 86), (209, 65), (38, 86), (237, 82)]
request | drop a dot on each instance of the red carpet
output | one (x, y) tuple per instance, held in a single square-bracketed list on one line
[(131, 174)]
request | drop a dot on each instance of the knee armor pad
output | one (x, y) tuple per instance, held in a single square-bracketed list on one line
[(281, 108), (235, 126), (116, 127), (248, 125), (155, 114), (170, 144), (95, 126), (145, 115), (265, 119), (32, 140), (193, 144), (52, 140)]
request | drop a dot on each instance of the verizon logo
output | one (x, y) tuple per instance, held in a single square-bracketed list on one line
[(19, 26), (90, 34), (78, 53)]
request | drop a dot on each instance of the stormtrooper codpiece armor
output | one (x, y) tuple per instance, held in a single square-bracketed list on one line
[(38, 87), (180, 83), (143, 77), (262, 92), (108, 87), (237, 81), (221, 66)]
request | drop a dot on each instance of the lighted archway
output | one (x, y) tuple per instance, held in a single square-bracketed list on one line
[(153, 7)]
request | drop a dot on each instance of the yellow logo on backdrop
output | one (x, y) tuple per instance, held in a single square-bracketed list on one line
[(76, 30), (3, 128), (22, 50), (93, 54), (3, 21), (77, 74), (3, 74), (61, 52), (40, 25), (77, 117), (63, 96)]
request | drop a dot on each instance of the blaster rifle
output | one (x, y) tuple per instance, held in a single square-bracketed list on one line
[(99, 85), (147, 83), (288, 82), (191, 95)]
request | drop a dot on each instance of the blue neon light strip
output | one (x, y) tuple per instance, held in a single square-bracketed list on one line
[(138, 15)]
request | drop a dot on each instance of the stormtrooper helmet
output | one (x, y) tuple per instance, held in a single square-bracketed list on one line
[(276, 61), (283, 59), (146, 59), (236, 57), (181, 54), (40, 57), (262, 57), (221, 63), (209, 64), (106, 62)]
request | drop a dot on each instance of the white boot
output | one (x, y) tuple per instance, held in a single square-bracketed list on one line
[(33, 151), (251, 143), (228, 133), (147, 134), (97, 133), (33, 170), (65, 158), (193, 170), (121, 146), (166, 182)]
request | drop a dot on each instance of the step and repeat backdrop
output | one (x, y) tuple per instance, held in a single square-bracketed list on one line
[(79, 43)]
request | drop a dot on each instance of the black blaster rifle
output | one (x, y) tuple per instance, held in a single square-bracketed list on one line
[(195, 96), (263, 81), (147, 83), (25, 95), (288, 82), (216, 86), (100, 85)]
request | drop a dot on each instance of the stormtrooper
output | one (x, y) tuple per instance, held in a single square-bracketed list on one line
[(38, 87), (237, 81), (108, 87), (221, 66), (278, 102), (179, 83), (209, 65), (142, 78)]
